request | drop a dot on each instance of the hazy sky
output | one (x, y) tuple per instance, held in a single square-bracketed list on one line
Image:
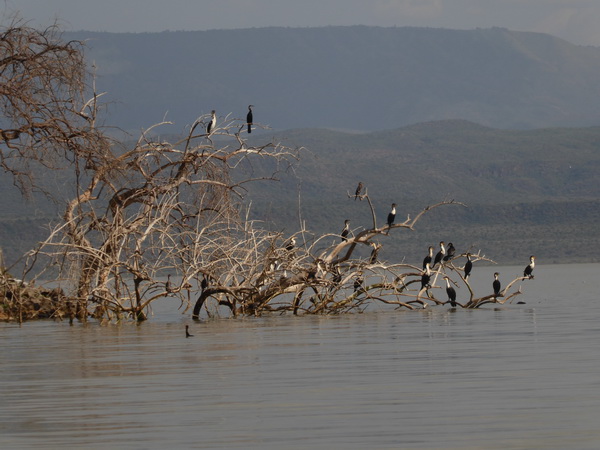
[(574, 20)]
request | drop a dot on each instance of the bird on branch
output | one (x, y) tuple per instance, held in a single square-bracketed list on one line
[(468, 266), (496, 285), (439, 256), (450, 251), (391, 216), (451, 292), (249, 118), (358, 191), (429, 258), (213, 122), (528, 272), (346, 230)]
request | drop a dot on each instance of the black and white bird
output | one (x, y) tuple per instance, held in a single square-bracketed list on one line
[(528, 272), (346, 230), (213, 122), (496, 284), (439, 256), (391, 216), (429, 258), (468, 266), (291, 244), (168, 285), (426, 277), (358, 191), (450, 251), (249, 118), (451, 292)]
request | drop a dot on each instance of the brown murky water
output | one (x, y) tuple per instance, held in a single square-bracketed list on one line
[(517, 376)]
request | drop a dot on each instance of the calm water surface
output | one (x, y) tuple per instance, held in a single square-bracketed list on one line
[(515, 376)]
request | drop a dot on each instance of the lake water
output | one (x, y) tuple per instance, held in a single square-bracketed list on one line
[(512, 376)]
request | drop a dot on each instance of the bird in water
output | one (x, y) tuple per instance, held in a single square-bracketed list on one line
[(249, 118), (496, 284), (391, 216), (439, 255), (428, 258), (426, 277), (291, 244), (451, 293), (449, 252), (358, 191), (468, 266), (213, 122), (346, 230), (528, 272), (187, 332)]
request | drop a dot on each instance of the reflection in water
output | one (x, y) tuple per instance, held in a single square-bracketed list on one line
[(517, 376)]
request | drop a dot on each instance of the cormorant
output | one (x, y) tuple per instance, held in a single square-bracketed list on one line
[(496, 284), (528, 272), (391, 216), (291, 244), (213, 122), (187, 332), (428, 258), (249, 118), (346, 230), (358, 283), (358, 190), (374, 252), (468, 266), (449, 252), (439, 255), (426, 277), (204, 282), (451, 293), (168, 286)]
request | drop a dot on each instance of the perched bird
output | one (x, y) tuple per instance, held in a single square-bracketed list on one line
[(468, 266), (346, 230), (213, 122), (426, 277), (358, 190), (187, 332), (528, 272), (291, 244), (449, 252), (204, 283), (451, 293), (496, 284), (391, 216), (168, 286), (374, 252), (249, 118), (358, 283), (428, 258), (440, 254)]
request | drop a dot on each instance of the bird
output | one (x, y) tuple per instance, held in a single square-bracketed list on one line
[(426, 277), (428, 258), (168, 286), (249, 118), (291, 244), (187, 332), (358, 191), (496, 284), (439, 255), (451, 293), (346, 230), (449, 252), (358, 283), (204, 283), (213, 122), (528, 272), (468, 266), (391, 216), (374, 252)]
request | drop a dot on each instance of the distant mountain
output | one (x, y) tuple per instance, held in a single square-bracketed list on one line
[(349, 78)]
